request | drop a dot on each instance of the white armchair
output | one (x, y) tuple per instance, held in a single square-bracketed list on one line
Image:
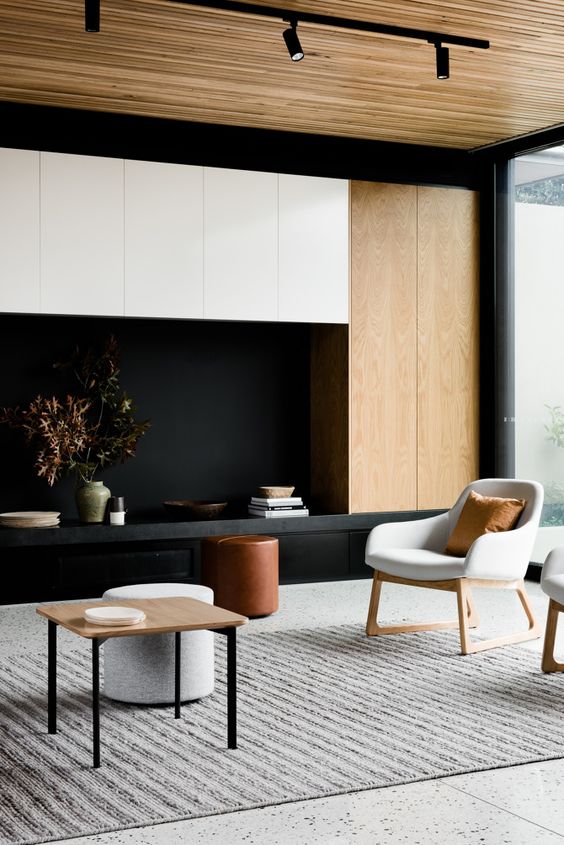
[(552, 583), (412, 553)]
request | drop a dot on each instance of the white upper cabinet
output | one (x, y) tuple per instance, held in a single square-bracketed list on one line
[(82, 235), (240, 245), (314, 249), (108, 237), (19, 230), (164, 275)]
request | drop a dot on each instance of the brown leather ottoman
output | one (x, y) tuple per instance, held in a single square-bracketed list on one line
[(242, 572)]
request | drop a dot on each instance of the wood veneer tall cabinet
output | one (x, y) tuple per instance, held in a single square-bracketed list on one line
[(448, 344), (413, 346)]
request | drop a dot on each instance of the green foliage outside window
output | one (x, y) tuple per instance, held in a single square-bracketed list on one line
[(553, 510), (555, 428), (543, 192)]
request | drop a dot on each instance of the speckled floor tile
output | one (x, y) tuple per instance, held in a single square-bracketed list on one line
[(533, 792), (22, 627), (426, 813)]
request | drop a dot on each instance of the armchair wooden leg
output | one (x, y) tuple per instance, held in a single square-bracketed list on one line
[(467, 615), (524, 598), (471, 619), (371, 622), (373, 629), (473, 615), (462, 591), (532, 632), (549, 664)]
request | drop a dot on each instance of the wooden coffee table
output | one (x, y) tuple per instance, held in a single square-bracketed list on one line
[(163, 616)]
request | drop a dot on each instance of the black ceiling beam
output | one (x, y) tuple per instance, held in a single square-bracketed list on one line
[(338, 23), (531, 142), (111, 134)]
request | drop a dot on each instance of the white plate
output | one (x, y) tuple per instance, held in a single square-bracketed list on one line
[(105, 624), (15, 524), (33, 515), (114, 615), (25, 525)]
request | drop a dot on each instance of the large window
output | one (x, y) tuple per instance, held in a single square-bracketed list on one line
[(539, 326)]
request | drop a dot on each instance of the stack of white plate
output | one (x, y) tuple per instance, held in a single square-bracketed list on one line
[(114, 615), (30, 519)]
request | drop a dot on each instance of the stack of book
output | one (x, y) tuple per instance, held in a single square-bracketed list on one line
[(269, 508)]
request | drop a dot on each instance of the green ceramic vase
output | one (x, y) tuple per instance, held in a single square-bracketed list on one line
[(91, 501)]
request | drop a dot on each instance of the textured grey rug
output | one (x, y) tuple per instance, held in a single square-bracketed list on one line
[(321, 712)]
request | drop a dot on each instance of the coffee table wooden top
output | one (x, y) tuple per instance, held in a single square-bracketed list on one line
[(162, 616)]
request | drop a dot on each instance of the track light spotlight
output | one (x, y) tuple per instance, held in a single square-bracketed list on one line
[(92, 15), (442, 61), (293, 42)]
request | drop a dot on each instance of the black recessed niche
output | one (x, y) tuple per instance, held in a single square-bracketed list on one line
[(228, 401)]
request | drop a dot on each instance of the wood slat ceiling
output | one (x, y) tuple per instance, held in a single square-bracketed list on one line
[(159, 58)]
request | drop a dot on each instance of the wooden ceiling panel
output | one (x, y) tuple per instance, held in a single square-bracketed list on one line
[(160, 58)]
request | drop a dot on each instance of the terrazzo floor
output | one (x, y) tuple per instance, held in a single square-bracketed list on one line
[(521, 805)]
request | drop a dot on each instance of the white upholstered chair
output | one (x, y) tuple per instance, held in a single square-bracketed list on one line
[(552, 583), (412, 553)]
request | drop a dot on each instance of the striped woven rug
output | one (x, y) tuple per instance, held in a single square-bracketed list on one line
[(321, 712)]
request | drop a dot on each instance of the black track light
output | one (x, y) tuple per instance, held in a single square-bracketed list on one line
[(92, 15), (442, 61), (293, 42)]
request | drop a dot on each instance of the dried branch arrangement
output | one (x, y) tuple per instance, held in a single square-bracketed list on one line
[(83, 433)]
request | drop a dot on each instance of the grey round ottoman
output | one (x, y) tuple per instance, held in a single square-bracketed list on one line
[(140, 670)]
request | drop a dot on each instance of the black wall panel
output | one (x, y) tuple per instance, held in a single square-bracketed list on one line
[(78, 575), (313, 557)]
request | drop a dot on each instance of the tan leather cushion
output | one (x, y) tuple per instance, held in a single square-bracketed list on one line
[(482, 515)]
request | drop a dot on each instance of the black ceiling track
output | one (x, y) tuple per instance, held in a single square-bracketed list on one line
[(338, 23)]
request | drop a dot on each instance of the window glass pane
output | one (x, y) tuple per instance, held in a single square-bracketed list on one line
[(539, 326)]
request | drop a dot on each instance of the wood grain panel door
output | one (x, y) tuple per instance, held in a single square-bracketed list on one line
[(383, 347), (448, 344), (330, 418)]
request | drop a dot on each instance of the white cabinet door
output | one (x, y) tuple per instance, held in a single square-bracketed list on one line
[(314, 249), (164, 274), (240, 245), (19, 230), (81, 235)]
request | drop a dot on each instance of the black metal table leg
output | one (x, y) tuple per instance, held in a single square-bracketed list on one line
[(231, 687), (96, 702), (52, 677), (177, 656)]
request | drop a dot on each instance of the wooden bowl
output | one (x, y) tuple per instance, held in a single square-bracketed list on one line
[(275, 492), (194, 508)]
